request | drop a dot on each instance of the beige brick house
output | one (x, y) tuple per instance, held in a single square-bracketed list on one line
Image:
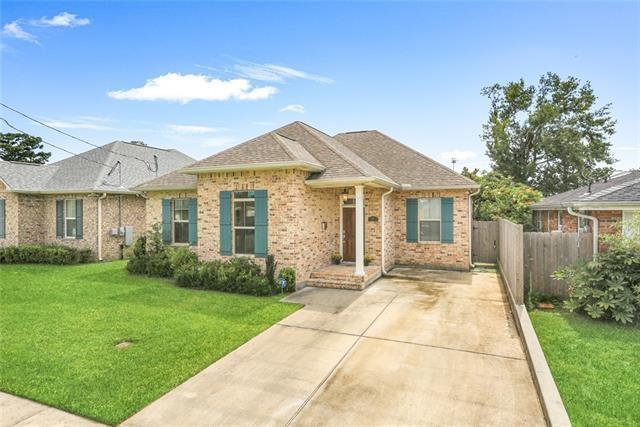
[(302, 195), (84, 201), (602, 207)]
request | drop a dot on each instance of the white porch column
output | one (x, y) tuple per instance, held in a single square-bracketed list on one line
[(359, 230)]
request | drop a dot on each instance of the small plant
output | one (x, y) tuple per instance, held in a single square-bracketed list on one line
[(44, 254), (270, 270), (537, 299), (367, 259), (336, 258), (288, 274)]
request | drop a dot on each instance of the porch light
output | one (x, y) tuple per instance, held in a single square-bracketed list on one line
[(345, 195)]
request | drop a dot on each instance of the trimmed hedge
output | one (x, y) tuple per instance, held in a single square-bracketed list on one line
[(44, 254)]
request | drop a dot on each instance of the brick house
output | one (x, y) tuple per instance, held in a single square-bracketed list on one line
[(602, 208), (302, 195), (83, 201)]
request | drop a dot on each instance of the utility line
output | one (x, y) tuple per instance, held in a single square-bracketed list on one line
[(55, 146), (77, 138)]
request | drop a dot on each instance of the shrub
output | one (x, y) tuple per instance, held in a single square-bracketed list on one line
[(367, 260), (181, 256), (609, 286), (270, 270), (44, 254), (159, 264), (288, 274), (211, 275), (336, 258), (189, 276)]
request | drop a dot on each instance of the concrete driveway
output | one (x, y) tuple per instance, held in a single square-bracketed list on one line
[(439, 350)]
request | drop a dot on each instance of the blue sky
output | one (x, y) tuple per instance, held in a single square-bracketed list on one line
[(201, 77)]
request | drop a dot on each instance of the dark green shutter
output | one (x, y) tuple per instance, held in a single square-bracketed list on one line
[(225, 223), (3, 223), (79, 219), (412, 220), (60, 218), (193, 221), (262, 219), (446, 219), (166, 221)]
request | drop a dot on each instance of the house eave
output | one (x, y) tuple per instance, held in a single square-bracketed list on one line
[(306, 166), (600, 206), (348, 182), (176, 188), (77, 191), (409, 187)]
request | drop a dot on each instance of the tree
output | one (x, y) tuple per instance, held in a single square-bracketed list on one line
[(19, 147), (550, 137), (500, 197)]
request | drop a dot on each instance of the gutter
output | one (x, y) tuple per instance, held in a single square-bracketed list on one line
[(104, 195), (595, 226), (471, 226), (382, 224), (347, 182)]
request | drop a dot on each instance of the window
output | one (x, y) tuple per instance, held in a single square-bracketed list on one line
[(180, 219), (583, 223), (630, 223), (244, 215), (429, 219), (560, 220), (70, 219)]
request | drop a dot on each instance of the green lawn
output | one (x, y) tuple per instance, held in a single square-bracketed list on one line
[(59, 326), (596, 366)]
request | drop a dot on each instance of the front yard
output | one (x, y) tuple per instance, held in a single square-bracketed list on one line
[(59, 327), (596, 366)]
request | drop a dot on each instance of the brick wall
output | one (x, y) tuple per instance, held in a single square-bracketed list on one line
[(11, 217), (433, 254), (153, 205)]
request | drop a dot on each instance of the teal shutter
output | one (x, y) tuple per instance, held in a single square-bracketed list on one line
[(78, 218), (60, 218), (446, 220), (193, 221), (225, 223), (3, 223), (262, 219), (166, 221), (412, 220)]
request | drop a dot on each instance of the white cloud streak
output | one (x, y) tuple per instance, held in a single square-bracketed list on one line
[(14, 30), (276, 73), (64, 19), (185, 88), (83, 124), (294, 108), (193, 129)]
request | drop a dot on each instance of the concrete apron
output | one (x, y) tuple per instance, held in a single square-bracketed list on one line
[(400, 352)]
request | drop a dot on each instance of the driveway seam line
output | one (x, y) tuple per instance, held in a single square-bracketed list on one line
[(324, 380)]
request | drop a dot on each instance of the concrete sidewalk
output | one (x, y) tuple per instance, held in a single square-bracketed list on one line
[(439, 350), (18, 412)]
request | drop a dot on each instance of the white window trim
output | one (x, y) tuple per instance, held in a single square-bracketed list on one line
[(181, 221), (560, 220), (242, 227), (65, 218), (439, 221)]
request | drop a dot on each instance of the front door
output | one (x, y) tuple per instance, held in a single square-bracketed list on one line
[(348, 234)]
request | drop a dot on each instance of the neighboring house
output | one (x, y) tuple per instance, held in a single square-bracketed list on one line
[(608, 204), (83, 201), (302, 195)]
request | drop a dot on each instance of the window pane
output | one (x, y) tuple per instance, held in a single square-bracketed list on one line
[(180, 210), (71, 228), (244, 241), (244, 214), (70, 208), (181, 232), (238, 214), (429, 209), (430, 231), (250, 214), (243, 194)]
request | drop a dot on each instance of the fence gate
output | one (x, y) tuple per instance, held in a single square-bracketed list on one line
[(484, 241)]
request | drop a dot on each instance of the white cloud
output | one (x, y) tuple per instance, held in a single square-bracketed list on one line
[(189, 87), (294, 108), (82, 124), (64, 19), (193, 129), (459, 155), (276, 73), (14, 30)]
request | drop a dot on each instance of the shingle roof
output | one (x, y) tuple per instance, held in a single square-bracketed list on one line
[(621, 188), (79, 173), (171, 181), (403, 164)]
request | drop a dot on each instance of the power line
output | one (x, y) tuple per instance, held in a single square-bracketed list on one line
[(55, 146), (78, 138)]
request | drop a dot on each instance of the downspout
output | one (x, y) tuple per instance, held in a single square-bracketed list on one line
[(471, 226), (595, 227), (382, 228), (100, 225)]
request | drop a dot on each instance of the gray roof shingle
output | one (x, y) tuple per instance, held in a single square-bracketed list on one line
[(624, 187)]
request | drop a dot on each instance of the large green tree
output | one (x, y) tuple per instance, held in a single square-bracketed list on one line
[(552, 136), (19, 147), (500, 197)]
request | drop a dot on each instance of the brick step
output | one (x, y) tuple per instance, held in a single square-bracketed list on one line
[(334, 284), (329, 276)]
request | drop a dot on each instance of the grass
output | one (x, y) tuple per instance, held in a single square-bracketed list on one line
[(596, 366), (59, 327)]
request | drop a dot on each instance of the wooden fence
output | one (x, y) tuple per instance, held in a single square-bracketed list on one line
[(510, 257), (484, 241), (545, 253)]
